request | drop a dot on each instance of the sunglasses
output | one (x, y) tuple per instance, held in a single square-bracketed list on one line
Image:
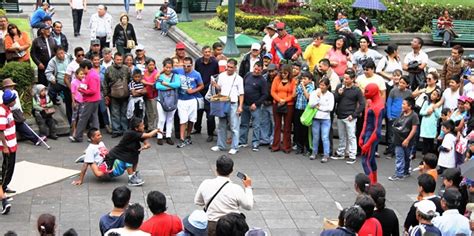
[(280, 29), (80, 55), (188, 65)]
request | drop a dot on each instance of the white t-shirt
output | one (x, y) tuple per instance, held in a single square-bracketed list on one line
[(450, 99), (421, 57), (268, 41), (363, 81), (95, 153), (388, 66), (447, 159), (77, 4), (359, 58), (127, 232), (71, 69), (469, 90), (229, 86)]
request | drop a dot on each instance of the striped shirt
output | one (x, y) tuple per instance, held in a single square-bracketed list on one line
[(7, 125), (301, 100)]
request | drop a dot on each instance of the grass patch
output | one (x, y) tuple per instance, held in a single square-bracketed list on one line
[(198, 31), (22, 24)]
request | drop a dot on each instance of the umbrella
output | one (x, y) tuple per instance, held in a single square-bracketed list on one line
[(369, 4), (467, 169)]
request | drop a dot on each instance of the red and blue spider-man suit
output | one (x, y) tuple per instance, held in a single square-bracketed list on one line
[(372, 130)]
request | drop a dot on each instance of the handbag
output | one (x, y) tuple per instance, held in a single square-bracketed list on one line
[(220, 104), (282, 109), (420, 100), (130, 43), (168, 99), (308, 115), (212, 198)]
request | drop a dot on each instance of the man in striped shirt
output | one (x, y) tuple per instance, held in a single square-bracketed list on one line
[(7, 139)]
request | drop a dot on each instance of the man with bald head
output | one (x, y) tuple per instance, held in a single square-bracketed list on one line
[(100, 26)]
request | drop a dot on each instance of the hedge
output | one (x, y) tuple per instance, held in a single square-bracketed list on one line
[(400, 15), (258, 22), (23, 75)]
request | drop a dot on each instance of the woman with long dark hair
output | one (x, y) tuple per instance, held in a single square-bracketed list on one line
[(339, 55), (387, 217), (17, 44)]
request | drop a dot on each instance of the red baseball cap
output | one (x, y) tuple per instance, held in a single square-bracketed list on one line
[(280, 25), (180, 45)]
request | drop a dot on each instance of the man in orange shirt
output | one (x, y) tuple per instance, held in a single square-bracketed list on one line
[(285, 46)]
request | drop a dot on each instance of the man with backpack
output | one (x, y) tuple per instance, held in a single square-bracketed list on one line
[(285, 46)]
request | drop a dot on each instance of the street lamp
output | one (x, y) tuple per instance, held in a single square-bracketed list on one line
[(184, 16), (230, 48)]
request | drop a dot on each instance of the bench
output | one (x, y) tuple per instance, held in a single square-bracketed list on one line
[(11, 6), (331, 28), (463, 28)]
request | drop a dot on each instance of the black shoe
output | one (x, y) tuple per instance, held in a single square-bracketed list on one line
[(169, 141), (210, 139), (196, 132), (159, 141), (8, 190), (299, 151), (5, 207), (115, 135), (53, 137)]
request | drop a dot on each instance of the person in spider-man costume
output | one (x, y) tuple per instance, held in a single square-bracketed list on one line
[(372, 130)]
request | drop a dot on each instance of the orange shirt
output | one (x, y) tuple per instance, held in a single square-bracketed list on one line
[(23, 40), (280, 91)]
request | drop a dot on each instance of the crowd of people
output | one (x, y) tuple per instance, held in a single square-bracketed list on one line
[(278, 89)]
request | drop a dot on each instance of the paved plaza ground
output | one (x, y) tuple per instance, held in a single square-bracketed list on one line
[(292, 194)]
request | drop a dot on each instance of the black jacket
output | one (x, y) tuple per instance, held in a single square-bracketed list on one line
[(64, 42), (361, 24), (245, 64), (350, 103), (39, 50), (119, 38)]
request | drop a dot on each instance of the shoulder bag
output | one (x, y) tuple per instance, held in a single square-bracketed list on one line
[(220, 105), (168, 98), (130, 43), (212, 198)]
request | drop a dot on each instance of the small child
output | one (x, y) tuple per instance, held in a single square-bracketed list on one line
[(124, 156), (304, 88), (139, 6), (77, 101), (451, 95), (404, 129), (446, 150), (136, 104), (428, 166), (429, 122), (43, 111), (94, 157)]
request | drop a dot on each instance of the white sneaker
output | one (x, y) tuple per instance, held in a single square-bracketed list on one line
[(233, 151), (216, 149)]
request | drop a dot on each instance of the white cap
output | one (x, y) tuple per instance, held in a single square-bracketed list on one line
[(140, 47), (426, 207), (255, 46)]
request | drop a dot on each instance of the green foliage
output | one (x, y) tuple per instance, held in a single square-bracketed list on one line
[(258, 22), (425, 29), (23, 75), (401, 15), (3, 12), (308, 32), (217, 24), (251, 32)]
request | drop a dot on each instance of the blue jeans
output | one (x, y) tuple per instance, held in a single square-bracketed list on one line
[(166, 24), (245, 117), (321, 128), (402, 161), (234, 122), (118, 113), (267, 125), (103, 111), (126, 4)]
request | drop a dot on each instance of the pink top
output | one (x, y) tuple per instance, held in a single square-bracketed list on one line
[(91, 92), (340, 58), (151, 91), (74, 90)]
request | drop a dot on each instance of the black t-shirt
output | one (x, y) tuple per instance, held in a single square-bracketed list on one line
[(127, 149), (402, 127), (411, 216), (389, 221)]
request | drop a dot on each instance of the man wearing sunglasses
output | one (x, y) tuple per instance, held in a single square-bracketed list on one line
[(283, 43)]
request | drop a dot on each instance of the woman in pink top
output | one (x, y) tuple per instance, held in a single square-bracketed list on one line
[(149, 79), (339, 55)]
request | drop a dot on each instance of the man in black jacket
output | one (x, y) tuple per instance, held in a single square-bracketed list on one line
[(350, 104), (250, 59), (255, 93), (42, 50), (58, 36)]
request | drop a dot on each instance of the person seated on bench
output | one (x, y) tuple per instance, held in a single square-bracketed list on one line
[(165, 18), (445, 28), (343, 28), (365, 28), (41, 15)]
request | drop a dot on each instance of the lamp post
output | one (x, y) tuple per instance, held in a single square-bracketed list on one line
[(230, 48), (184, 16)]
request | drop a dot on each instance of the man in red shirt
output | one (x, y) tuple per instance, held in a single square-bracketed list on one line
[(7, 139), (282, 43), (161, 223)]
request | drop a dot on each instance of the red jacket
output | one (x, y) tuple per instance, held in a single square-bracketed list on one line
[(283, 43)]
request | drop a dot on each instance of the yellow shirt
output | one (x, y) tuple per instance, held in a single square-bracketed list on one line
[(314, 54)]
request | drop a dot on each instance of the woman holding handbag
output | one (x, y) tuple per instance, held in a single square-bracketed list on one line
[(124, 38), (283, 92), (17, 44)]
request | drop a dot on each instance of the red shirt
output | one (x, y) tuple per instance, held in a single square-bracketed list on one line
[(151, 91), (162, 224), (283, 43), (371, 227), (7, 125)]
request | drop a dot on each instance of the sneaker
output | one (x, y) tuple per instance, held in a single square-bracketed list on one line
[(210, 139), (377, 155), (9, 199), (169, 141), (216, 149), (233, 151), (255, 149), (295, 147), (406, 175), (395, 178), (389, 157), (351, 161), (338, 157), (324, 159), (9, 190), (108, 129), (188, 140), (135, 180), (159, 141), (80, 159), (312, 157), (5, 207), (243, 145), (181, 144), (43, 139), (72, 139)]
